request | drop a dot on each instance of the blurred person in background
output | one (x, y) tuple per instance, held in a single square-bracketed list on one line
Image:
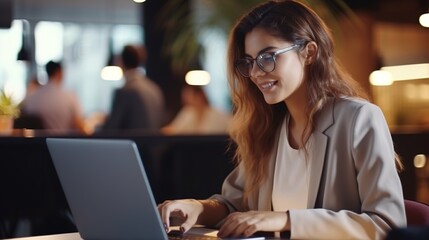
[(32, 86), (139, 104), (197, 116), (57, 108)]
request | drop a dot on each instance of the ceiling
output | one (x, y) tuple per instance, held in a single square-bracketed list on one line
[(126, 11), (81, 11), (399, 11), (402, 11)]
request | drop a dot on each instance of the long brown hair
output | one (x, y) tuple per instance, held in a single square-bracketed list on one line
[(255, 123)]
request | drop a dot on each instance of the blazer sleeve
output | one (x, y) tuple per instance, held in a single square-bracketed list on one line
[(232, 190), (379, 186)]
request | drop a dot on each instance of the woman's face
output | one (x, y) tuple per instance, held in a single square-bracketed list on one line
[(286, 81)]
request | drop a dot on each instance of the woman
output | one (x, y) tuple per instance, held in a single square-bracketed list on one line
[(314, 157)]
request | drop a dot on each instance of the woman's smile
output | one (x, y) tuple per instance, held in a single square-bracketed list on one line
[(267, 85)]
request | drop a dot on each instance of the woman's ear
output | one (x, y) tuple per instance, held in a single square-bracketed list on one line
[(310, 52)]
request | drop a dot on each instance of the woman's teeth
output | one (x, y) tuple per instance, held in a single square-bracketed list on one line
[(267, 85)]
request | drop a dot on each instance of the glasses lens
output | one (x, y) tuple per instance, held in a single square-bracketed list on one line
[(244, 66), (266, 62)]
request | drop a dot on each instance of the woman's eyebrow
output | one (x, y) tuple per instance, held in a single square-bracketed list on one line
[(260, 51)]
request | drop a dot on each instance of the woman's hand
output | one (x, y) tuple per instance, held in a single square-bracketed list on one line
[(186, 211), (245, 224)]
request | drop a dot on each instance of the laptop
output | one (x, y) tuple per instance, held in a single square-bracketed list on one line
[(107, 189)]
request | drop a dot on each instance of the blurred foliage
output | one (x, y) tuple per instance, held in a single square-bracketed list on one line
[(7, 105), (183, 20)]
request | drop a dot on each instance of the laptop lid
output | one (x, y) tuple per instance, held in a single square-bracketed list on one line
[(107, 189)]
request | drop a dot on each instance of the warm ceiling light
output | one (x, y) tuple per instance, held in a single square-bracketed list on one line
[(408, 72), (197, 77), (424, 20), (419, 161), (139, 1), (380, 78), (111, 73)]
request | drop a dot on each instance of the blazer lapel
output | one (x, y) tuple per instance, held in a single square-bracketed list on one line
[(318, 153)]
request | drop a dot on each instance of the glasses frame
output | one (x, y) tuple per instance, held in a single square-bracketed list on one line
[(273, 56)]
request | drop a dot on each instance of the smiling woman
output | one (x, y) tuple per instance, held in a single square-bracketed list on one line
[(305, 134)]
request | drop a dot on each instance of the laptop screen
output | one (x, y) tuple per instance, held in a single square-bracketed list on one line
[(106, 187)]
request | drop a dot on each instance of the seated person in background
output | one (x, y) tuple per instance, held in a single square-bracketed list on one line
[(139, 104), (58, 109), (315, 159), (197, 116), (32, 86)]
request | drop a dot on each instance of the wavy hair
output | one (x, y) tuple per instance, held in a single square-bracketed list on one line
[(255, 123)]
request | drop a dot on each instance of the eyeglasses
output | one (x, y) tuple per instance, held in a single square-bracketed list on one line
[(266, 61)]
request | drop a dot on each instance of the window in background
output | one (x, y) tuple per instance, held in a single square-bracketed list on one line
[(215, 44), (13, 73), (49, 42), (83, 50)]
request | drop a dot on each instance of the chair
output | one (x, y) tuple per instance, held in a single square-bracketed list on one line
[(417, 213)]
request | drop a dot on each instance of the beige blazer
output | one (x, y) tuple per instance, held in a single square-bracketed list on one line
[(354, 190)]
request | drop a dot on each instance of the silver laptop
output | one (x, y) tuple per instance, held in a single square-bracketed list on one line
[(107, 189)]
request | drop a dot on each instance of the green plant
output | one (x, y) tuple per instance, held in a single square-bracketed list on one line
[(7, 106), (182, 23)]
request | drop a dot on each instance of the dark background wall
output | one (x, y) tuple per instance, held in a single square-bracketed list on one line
[(158, 64), (6, 13)]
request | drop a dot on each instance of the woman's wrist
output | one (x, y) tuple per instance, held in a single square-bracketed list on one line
[(212, 211), (200, 206)]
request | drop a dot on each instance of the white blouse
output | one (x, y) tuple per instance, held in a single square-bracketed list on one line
[(291, 175)]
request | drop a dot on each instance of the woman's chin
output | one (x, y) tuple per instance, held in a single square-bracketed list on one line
[(272, 100)]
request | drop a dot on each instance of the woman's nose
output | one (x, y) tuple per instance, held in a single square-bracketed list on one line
[(255, 70)]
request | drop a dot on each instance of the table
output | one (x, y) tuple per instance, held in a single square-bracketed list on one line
[(76, 236), (63, 236)]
